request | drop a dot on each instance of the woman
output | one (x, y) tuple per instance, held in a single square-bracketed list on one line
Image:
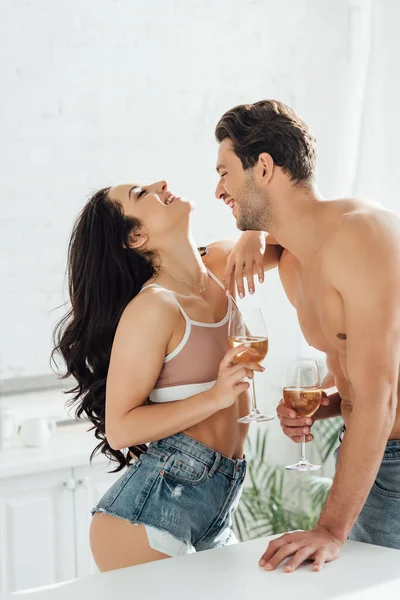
[(146, 339)]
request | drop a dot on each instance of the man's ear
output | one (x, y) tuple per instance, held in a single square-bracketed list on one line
[(265, 167), (138, 240)]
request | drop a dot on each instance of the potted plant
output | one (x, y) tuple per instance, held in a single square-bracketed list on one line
[(275, 501)]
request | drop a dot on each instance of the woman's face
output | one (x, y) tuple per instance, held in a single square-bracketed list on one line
[(160, 211)]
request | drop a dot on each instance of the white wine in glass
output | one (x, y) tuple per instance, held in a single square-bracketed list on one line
[(248, 327), (302, 393)]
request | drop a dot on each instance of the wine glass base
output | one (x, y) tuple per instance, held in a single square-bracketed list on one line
[(255, 417), (303, 466)]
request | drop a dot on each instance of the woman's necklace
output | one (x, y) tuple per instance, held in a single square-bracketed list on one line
[(201, 288)]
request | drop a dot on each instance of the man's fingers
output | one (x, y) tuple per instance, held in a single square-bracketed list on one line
[(283, 552), (283, 412), (250, 276), (259, 266), (295, 422), (272, 548), (319, 560), (301, 555), (293, 432), (239, 280), (292, 426), (228, 275), (317, 545), (298, 438)]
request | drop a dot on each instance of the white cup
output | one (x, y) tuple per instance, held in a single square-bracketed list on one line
[(37, 431), (8, 427)]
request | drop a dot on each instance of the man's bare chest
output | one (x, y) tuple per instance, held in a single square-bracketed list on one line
[(319, 306)]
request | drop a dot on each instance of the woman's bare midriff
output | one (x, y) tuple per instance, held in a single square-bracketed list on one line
[(222, 432)]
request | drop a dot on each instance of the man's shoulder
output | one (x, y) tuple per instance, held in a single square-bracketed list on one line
[(366, 238), (217, 256), (363, 225)]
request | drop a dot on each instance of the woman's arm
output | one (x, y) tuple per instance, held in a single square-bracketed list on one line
[(138, 352), (137, 356), (148, 423)]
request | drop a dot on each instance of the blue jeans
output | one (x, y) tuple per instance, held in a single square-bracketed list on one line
[(183, 492), (379, 520)]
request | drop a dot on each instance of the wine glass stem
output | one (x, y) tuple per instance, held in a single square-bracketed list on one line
[(253, 395), (303, 449)]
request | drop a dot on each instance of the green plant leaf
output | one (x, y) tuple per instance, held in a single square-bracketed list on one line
[(326, 436), (269, 502)]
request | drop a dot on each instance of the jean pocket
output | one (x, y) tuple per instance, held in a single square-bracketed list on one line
[(184, 469), (387, 482)]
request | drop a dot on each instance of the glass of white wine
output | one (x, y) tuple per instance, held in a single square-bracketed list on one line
[(302, 393), (248, 327)]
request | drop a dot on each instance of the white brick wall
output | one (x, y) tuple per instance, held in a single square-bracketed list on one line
[(94, 93)]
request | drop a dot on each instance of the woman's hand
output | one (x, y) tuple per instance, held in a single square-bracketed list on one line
[(230, 384), (245, 260)]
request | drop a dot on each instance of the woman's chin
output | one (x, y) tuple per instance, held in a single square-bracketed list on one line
[(189, 205)]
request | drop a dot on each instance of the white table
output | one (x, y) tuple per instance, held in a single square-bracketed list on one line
[(362, 572)]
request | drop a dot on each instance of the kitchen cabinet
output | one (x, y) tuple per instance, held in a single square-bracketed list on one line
[(91, 484), (44, 525)]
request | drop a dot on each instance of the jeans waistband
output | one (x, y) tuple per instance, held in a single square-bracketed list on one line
[(214, 460), (392, 446)]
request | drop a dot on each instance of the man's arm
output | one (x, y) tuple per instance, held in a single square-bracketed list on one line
[(365, 270), (254, 253), (370, 289), (332, 407)]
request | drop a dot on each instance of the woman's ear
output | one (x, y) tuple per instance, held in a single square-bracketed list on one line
[(138, 240)]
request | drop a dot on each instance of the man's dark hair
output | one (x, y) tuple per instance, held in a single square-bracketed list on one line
[(270, 126)]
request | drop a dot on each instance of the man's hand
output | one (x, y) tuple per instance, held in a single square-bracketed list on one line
[(246, 259), (318, 545), (295, 427)]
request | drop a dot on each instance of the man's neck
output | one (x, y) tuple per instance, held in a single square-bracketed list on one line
[(298, 223)]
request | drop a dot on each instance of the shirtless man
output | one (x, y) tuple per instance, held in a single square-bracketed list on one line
[(340, 268)]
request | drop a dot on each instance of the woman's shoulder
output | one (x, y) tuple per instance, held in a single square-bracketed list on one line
[(149, 316), (150, 304)]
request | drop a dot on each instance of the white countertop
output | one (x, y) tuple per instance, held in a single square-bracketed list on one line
[(71, 446), (362, 572)]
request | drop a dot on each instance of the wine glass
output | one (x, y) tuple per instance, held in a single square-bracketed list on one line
[(302, 393), (248, 327)]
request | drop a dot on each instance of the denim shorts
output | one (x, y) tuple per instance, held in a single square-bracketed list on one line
[(379, 520), (183, 492)]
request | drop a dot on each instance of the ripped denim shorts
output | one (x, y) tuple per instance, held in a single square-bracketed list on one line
[(183, 492)]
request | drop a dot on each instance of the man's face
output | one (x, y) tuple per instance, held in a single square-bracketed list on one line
[(238, 188)]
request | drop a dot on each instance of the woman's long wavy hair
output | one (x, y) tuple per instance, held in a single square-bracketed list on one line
[(104, 274)]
